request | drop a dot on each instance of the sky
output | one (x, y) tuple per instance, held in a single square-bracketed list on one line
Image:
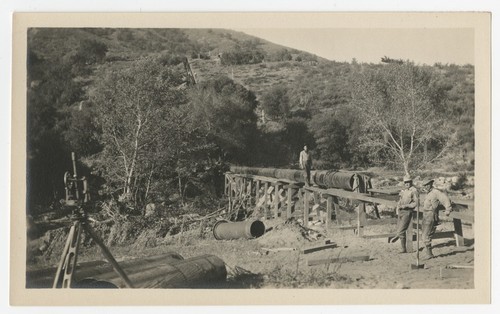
[(423, 46)]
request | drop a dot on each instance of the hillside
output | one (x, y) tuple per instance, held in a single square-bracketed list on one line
[(306, 99)]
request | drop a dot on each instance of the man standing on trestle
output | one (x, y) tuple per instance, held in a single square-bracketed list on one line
[(408, 202), (434, 200), (305, 163)]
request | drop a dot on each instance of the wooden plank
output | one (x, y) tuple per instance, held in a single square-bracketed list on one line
[(289, 203), (266, 198), (230, 197), (345, 227), (329, 201), (360, 220), (292, 186), (459, 235), (344, 259), (387, 191), (462, 216), (381, 235), (266, 179), (336, 207), (318, 248), (257, 191), (276, 200), (279, 249), (306, 207), (385, 221), (444, 235), (353, 195), (460, 266), (459, 201)]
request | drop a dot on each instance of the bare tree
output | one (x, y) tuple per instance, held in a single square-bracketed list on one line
[(399, 118), (133, 109)]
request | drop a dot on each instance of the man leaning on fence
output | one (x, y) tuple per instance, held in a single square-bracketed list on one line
[(408, 202)]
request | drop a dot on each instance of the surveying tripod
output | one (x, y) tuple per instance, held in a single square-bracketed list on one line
[(77, 199)]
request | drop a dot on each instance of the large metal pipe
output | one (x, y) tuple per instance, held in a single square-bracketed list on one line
[(327, 178), (37, 278), (200, 271), (224, 230), (167, 270)]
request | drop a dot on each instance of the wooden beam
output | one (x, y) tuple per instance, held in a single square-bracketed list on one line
[(377, 222), (460, 266), (444, 235), (345, 227), (306, 207), (344, 259), (462, 216), (336, 207), (387, 191), (279, 249), (459, 235), (361, 218), (289, 203), (257, 191), (276, 200), (459, 201), (329, 200), (266, 198), (353, 195), (318, 248)]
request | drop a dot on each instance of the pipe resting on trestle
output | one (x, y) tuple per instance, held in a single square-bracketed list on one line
[(325, 178)]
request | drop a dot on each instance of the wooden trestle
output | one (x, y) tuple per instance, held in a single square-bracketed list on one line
[(282, 198)]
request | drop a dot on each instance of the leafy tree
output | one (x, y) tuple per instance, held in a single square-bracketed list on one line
[(331, 137), (276, 102), (398, 115), (296, 135), (90, 52), (51, 91), (282, 55), (225, 111)]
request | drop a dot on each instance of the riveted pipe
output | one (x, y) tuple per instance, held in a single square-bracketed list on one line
[(327, 178), (225, 230), (164, 271)]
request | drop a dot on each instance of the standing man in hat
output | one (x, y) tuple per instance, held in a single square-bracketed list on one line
[(305, 163), (408, 201), (434, 200)]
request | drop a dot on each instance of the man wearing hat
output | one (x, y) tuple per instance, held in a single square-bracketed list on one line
[(434, 200), (305, 163), (408, 201)]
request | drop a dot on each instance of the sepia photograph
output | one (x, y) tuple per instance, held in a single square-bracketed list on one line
[(254, 153)]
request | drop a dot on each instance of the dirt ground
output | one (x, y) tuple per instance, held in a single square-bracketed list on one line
[(250, 264)]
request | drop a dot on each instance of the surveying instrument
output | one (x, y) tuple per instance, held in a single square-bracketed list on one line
[(78, 200)]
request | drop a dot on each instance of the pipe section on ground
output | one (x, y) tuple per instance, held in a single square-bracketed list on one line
[(224, 230), (326, 178), (169, 270)]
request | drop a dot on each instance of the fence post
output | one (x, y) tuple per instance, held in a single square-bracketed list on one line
[(289, 203), (306, 207), (328, 221)]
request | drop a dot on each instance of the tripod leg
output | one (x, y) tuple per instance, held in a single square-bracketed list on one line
[(72, 256), (64, 255), (108, 255)]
